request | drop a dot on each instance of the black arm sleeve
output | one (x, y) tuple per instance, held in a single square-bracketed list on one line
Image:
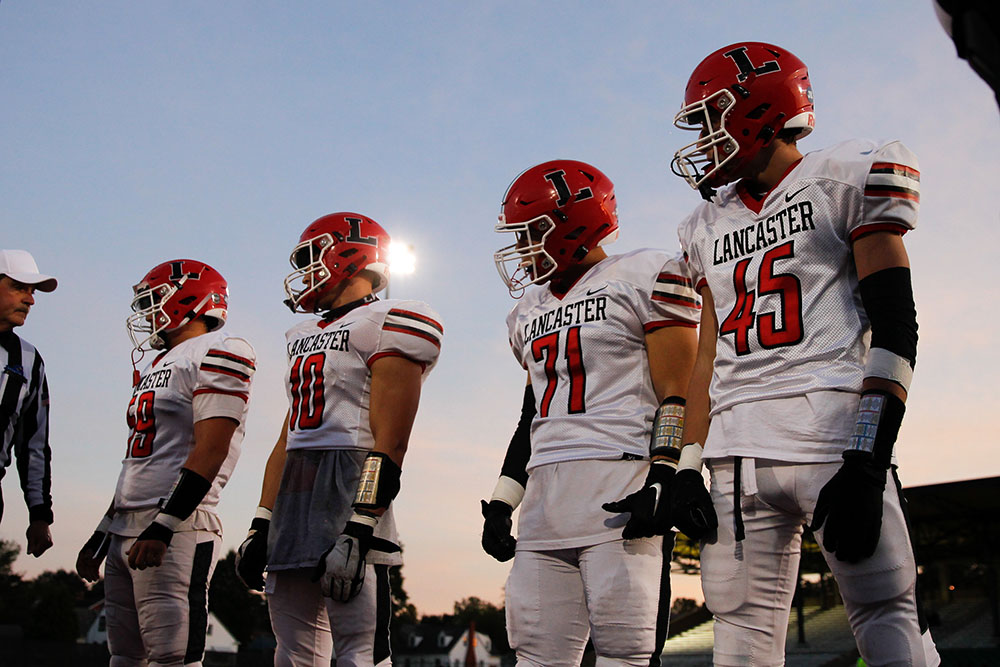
[(515, 463), (887, 296)]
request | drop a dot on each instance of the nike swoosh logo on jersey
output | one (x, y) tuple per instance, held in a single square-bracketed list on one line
[(595, 291), (168, 363), (788, 197)]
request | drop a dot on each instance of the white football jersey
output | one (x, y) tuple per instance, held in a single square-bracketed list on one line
[(329, 377), (202, 377), (782, 274), (585, 353)]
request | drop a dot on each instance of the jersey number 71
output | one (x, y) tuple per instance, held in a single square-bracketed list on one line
[(547, 348)]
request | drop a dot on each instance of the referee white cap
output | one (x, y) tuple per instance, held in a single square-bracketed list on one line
[(20, 265)]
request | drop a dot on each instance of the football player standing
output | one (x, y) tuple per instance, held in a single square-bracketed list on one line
[(186, 421), (608, 344), (797, 260), (324, 527)]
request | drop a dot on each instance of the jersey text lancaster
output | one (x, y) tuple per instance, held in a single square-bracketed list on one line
[(155, 380), (593, 309), (336, 341), (764, 233)]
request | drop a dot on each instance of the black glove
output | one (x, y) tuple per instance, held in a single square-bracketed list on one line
[(497, 540), (251, 557), (850, 505), (341, 568), (693, 512), (650, 505)]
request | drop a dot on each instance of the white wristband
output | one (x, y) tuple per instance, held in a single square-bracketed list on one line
[(367, 519), (509, 491), (690, 457), (262, 513), (169, 521), (889, 366)]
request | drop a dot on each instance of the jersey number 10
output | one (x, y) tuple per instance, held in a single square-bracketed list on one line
[(305, 379)]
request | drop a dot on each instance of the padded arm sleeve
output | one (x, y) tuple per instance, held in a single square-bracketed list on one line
[(887, 296), (515, 463)]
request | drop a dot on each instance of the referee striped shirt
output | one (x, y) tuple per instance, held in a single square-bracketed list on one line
[(24, 423)]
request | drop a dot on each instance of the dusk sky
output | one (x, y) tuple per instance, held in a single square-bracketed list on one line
[(136, 132)]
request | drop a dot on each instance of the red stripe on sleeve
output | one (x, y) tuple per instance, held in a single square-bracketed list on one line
[(393, 353), (650, 327), (238, 394), (673, 278), (872, 191), (413, 332), (232, 357), (902, 169), (877, 227), (417, 316), (225, 371)]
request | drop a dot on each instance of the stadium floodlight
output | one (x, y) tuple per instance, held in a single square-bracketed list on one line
[(402, 261)]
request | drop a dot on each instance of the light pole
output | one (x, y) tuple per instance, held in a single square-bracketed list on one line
[(402, 261)]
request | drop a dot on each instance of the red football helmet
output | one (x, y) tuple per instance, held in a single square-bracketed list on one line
[(560, 211), (173, 294), (332, 249), (739, 98)]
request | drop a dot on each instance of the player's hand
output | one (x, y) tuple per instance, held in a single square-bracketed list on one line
[(39, 538), (850, 506), (146, 553), (691, 505), (150, 547), (497, 540), (88, 566), (251, 557), (649, 506), (341, 570), (88, 561)]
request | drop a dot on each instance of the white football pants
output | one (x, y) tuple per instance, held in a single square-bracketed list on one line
[(308, 626), (749, 584), (159, 616), (609, 591)]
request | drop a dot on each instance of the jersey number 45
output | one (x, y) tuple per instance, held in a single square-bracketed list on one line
[(743, 317)]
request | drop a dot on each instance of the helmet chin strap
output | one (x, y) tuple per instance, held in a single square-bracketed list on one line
[(135, 365)]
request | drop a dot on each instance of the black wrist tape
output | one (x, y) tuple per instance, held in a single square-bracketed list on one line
[(40, 513), (156, 531), (95, 542), (186, 495)]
